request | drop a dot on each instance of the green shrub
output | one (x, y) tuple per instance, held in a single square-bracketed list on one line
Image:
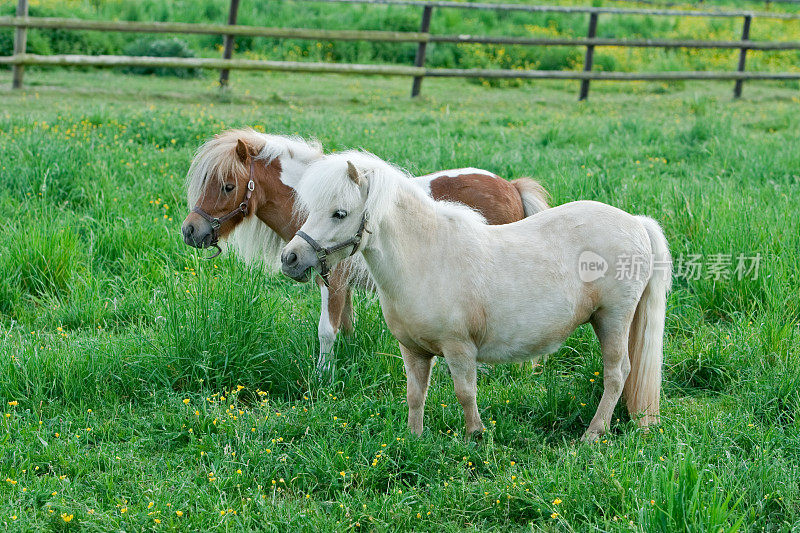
[(161, 48), (57, 41)]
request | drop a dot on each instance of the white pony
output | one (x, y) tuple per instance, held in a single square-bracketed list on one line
[(450, 285)]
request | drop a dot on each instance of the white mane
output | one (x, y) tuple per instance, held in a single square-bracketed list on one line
[(326, 183), (252, 240)]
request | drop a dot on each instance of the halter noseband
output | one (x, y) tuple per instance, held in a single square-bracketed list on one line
[(216, 222), (324, 252)]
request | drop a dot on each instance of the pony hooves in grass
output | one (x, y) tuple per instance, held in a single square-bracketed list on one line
[(475, 436), (591, 436)]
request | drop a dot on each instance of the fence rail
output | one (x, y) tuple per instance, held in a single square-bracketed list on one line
[(22, 22), (372, 35), (382, 70)]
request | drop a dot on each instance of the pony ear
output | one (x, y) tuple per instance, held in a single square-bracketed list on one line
[(243, 151), (352, 173)]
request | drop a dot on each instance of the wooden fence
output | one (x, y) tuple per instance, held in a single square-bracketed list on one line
[(423, 37)]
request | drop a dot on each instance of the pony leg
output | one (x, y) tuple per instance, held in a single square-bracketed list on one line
[(463, 370), (346, 322), (336, 303), (325, 331), (418, 378), (616, 366)]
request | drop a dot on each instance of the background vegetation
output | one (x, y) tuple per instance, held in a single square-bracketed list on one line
[(445, 21)]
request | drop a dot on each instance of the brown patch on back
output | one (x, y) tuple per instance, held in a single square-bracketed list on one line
[(493, 197)]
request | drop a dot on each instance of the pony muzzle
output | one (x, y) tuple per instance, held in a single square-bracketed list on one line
[(197, 232), (298, 260)]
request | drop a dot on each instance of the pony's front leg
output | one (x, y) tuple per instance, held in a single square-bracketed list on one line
[(613, 337), (335, 313), (463, 369), (325, 330), (418, 378)]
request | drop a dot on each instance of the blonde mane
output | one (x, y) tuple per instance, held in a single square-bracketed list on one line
[(252, 240)]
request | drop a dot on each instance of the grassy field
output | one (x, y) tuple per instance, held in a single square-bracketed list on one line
[(144, 388)]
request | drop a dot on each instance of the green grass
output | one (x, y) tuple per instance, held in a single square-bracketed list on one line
[(122, 351)]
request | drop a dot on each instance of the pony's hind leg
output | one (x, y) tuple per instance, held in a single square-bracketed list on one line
[(463, 370), (613, 335), (418, 378)]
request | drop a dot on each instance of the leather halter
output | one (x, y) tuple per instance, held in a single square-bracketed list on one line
[(216, 222), (324, 252)]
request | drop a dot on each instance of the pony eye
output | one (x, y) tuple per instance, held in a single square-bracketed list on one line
[(228, 187), (339, 214)]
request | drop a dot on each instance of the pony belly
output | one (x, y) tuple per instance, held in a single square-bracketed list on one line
[(496, 353)]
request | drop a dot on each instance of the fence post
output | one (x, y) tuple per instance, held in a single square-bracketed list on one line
[(737, 89), (587, 63), (20, 44), (228, 52), (419, 60)]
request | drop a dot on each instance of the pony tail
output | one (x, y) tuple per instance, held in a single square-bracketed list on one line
[(534, 197), (646, 339)]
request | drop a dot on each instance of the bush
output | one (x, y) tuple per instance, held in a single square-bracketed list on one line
[(161, 48), (58, 41)]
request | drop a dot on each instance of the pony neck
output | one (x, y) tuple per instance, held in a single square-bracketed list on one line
[(276, 205), (408, 230)]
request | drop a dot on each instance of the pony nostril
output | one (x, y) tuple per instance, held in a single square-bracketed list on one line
[(188, 230), (291, 259)]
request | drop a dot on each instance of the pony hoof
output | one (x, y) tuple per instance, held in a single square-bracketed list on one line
[(591, 436), (324, 373), (475, 435)]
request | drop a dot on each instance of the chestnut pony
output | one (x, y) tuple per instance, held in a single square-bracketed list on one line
[(241, 189)]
